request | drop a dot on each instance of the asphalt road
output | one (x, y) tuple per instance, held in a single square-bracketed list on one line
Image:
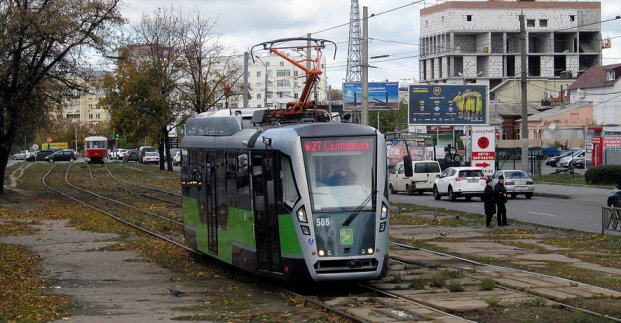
[(576, 213)]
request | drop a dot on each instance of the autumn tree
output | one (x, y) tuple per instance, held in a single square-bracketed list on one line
[(211, 71), (41, 46)]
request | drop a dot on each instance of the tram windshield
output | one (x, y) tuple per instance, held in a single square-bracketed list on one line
[(340, 172), (96, 144)]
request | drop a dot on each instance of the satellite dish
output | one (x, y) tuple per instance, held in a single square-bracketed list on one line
[(552, 126)]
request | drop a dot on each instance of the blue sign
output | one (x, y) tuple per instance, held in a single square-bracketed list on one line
[(448, 105), (382, 96)]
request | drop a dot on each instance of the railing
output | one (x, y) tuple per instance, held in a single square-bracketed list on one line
[(611, 219)]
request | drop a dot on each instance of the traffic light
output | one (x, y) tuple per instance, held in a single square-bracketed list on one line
[(116, 136)]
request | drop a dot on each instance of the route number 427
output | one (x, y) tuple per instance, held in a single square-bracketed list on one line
[(322, 222)]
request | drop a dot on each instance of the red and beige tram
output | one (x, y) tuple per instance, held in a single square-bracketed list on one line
[(95, 149)]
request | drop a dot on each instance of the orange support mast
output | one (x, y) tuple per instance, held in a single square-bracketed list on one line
[(278, 47)]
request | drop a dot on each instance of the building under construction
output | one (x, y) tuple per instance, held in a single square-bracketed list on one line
[(479, 41)]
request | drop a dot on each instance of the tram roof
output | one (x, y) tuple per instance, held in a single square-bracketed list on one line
[(95, 138)]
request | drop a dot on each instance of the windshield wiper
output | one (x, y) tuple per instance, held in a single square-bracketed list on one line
[(353, 215)]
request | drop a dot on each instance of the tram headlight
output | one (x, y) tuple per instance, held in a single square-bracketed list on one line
[(370, 251), (301, 214), (321, 253), (384, 210)]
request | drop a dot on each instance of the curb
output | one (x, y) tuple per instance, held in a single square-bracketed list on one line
[(555, 196), (578, 185)]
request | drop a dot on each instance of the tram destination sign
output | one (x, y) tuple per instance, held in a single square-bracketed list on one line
[(448, 105)]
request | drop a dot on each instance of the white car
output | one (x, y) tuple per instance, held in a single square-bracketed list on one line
[(459, 181), (22, 155), (516, 182), (151, 157), (177, 158), (566, 161), (422, 179)]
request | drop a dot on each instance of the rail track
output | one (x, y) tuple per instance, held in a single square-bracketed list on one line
[(148, 191), (397, 297)]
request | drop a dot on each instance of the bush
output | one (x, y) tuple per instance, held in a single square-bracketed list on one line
[(606, 174)]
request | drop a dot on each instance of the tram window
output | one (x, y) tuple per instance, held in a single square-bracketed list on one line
[(290, 193), (231, 172), (257, 175), (184, 157)]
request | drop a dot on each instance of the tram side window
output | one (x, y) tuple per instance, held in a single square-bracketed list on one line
[(243, 181), (231, 172), (184, 158), (290, 194)]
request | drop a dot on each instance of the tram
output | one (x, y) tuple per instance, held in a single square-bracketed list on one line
[(95, 149), (288, 195)]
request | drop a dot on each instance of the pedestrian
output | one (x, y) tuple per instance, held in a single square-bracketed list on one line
[(500, 195), (489, 202)]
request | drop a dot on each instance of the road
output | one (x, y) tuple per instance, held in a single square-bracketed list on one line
[(584, 214)]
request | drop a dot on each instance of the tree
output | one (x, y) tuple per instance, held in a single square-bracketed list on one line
[(41, 46), (211, 74), (390, 120)]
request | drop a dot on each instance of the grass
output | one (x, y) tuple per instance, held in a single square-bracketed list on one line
[(488, 284), (560, 179), (454, 286), (493, 301)]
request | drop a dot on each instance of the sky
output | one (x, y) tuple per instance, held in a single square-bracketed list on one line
[(393, 31)]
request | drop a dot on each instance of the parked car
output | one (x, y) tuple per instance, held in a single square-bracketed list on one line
[(614, 197), (131, 155), (40, 155), (425, 173), (566, 161), (459, 181), (22, 155), (117, 154), (516, 182), (151, 157), (577, 162), (177, 158), (62, 155), (553, 161), (142, 150)]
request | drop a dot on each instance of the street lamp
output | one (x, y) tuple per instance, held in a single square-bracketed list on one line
[(265, 95)]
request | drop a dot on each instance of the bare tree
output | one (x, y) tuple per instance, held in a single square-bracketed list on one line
[(41, 54), (158, 46), (211, 69)]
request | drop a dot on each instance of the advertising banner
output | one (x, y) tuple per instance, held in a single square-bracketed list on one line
[(448, 105), (484, 149), (54, 145), (382, 96)]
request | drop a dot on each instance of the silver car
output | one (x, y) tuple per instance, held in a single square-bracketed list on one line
[(516, 182)]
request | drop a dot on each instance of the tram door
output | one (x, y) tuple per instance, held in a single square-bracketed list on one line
[(209, 189), (264, 186)]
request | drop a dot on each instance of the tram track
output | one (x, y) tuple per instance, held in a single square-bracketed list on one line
[(522, 284), (148, 191), (135, 217), (80, 195), (388, 300)]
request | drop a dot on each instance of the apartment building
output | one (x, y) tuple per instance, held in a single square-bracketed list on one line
[(285, 82), (83, 107), (478, 41)]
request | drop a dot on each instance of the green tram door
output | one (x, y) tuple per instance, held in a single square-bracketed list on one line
[(264, 186)]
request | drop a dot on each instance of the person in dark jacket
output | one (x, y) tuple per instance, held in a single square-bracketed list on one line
[(489, 202), (500, 195)]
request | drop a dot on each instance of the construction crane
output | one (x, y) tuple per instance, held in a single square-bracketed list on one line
[(297, 109)]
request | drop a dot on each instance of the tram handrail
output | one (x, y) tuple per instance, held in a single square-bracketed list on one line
[(611, 219)]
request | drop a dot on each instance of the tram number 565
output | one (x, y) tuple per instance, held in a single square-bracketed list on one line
[(323, 222)]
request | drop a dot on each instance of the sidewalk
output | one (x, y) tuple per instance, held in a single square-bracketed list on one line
[(581, 193)]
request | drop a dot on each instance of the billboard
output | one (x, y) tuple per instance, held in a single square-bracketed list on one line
[(54, 145), (448, 105), (382, 96)]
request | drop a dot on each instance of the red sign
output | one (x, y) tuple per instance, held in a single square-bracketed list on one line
[(333, 146), (483, 155), (483, 142), (49, 140)]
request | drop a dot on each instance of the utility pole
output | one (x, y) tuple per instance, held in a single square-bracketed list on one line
[(265, 96), (245, 96), (524, 131), (364, 119), (330, 99)]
